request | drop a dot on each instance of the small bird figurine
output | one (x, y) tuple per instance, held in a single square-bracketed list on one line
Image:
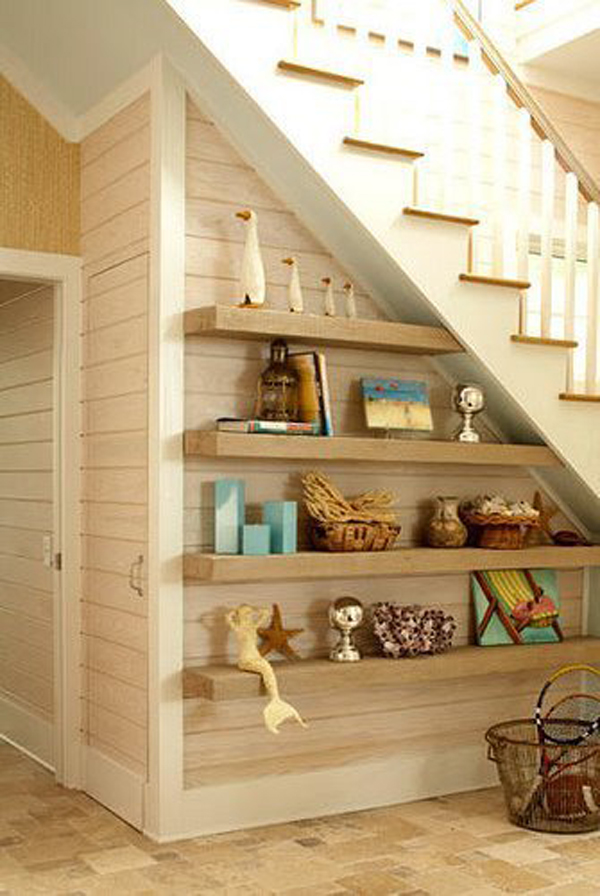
[(350, 300), (294, 289), (252, 279), (329, 300)]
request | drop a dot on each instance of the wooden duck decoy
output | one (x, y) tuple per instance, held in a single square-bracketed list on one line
[(295, 299), (329, 299), (252, 279)]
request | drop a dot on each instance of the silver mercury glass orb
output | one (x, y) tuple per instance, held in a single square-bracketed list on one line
[(468, 400), (345, 614)]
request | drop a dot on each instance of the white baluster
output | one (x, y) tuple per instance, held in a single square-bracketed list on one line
[(475, 153), (548, 191), (571, 200), (499, 173), (445, 77), (593, 248), (524, 201)]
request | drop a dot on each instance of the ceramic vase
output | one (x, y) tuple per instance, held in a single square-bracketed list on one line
[(445, 528)]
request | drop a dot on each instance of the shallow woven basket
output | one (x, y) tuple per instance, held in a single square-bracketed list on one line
[(347, 537), (499, 532)]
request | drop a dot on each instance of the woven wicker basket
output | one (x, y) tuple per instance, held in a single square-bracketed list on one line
[(499, 532), (347, 537)]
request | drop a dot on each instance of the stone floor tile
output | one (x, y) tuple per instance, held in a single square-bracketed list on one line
[(110, 861)]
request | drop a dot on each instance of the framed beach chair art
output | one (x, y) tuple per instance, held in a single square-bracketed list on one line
[(516, 606)]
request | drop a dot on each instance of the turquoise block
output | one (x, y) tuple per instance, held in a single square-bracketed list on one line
[(282, 516), (256, 539), (229, 515)]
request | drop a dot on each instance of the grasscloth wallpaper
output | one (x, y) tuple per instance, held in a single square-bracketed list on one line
[(39, 180)]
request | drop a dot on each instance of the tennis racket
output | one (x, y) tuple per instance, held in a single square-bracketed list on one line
[(572, 719)]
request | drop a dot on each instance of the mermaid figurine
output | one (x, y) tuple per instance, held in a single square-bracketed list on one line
[(244, 621)]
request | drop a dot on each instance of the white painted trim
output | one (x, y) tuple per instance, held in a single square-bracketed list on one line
[(125, 94), (113, 785), (65, 272), (29, 732), (35, 92), (209, 810), (165, 427)]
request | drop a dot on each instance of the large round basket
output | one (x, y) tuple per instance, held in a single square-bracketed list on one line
[(499, 532), (547, 787), (347, 537)]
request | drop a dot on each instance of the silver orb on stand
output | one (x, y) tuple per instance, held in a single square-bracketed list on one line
[(345, 614), (468, 400)]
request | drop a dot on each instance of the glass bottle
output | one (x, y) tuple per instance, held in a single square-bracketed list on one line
[(278, 387)]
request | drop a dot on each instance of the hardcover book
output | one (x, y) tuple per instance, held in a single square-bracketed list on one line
[(268, 427)]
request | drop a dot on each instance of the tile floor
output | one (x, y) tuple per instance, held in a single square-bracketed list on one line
[(57, 841)]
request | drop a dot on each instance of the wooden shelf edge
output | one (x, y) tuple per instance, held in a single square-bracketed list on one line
[(542, 340), (494, 281), (263, 324), (311, 565), (220, 683), (282, 4), (385, 148), (439, 216), (369, 450), (323, 74), (576, 396)]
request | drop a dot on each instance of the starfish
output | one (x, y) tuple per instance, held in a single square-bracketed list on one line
[(276, 637), (547, 510)]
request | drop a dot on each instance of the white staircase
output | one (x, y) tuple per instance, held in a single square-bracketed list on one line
[(407, 150)]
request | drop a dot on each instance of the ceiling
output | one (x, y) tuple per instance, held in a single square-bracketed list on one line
[(81, 50), (579, 59)]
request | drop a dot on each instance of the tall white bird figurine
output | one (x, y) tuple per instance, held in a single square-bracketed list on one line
[(350, 300), (252, 279), (329, 300), (294, 289)]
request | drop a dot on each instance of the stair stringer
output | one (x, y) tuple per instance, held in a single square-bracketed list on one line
[(411, 267)]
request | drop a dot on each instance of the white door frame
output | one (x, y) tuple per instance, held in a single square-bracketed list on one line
[(64, 271)]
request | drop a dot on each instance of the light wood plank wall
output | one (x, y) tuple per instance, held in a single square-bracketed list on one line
[(115, 189), (228, 741), (26, 499), (39, 180)]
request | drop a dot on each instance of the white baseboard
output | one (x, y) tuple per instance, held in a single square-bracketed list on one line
[(113, 785), (208, 810), (32, 734)]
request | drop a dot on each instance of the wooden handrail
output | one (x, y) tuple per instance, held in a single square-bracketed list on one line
[(523, 3), (522, 97)]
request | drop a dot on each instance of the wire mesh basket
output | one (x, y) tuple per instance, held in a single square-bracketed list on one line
[(547, 787)]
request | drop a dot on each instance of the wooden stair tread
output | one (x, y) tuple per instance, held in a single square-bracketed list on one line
[(494, 281), (221, 682), (296, 68), (371, 450), (311, 565), (230, 321), (439, 216), (282, 4), (578, 396), (543, 340), (385, 148)]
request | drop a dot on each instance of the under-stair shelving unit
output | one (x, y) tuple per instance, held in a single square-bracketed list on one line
[(222, 682), (261, 324)]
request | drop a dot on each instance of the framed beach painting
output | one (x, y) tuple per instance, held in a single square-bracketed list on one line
[(516, 606), (396, 404)]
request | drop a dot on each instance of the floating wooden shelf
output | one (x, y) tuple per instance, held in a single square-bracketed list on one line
[(439, 216), (494, 281), (384, 148), (543, 340), (314, 676), (227, 568), (372, 450), (232, 322), (322, 74), (578, 396)]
